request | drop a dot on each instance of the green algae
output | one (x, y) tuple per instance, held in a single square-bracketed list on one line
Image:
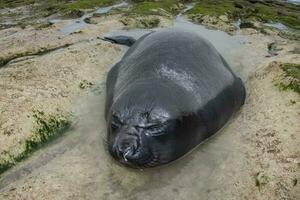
[(261, 180), (14, 3), (69, 9), (46, 128), (291, 77), (212, 8), (84, 84), (158, 7), (151, 22), (264, 11), (87, 4), (260, 10), (144, 22)]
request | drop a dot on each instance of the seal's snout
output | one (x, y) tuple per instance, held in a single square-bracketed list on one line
[(126, 146), (130, 148)]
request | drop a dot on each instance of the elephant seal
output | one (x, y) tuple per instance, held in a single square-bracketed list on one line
[(170, 91)]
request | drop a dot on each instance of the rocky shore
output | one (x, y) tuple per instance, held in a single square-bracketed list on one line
[(44, 71)]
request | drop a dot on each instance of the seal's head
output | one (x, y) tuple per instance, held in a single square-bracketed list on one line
[(143, 128), (141, 138), (152, 128)]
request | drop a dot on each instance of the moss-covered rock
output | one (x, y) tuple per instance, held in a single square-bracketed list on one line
[(264, 11), (87, 4), (290, 35), (84, 84), (261, 180), (158, 7), (291, 79), (147, 22), (212, 8), (14, 3), (44, 25), (247, 24), (46, 127), (40, 9), (221, 23)]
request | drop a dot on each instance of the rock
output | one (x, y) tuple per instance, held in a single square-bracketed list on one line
[(224, 18), (210, 19), (181, 6), (197, 18), (141, 22), (148, 22), (222, 22), (174, 8), (254, 1), (76, 32), (249, 31), (296, 50), (273, 48), (126, 21), (75, 13), (98, 14), (90, 20), (238, 5), (247, 24)]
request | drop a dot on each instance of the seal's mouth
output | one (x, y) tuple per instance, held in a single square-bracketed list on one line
[(140, 157), (132, 154)]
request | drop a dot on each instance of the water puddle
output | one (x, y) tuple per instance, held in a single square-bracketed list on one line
[(237, 23), (297, 2), (80, 23), (278, 26)]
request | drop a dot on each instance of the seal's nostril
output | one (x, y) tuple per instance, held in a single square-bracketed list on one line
[(127, 152), (126, 148)]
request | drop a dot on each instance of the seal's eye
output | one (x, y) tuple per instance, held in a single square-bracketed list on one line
[(155, 130), (159, 129), (115, 123), (114, 126)]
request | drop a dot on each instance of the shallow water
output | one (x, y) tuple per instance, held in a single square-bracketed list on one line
[(79, 23), (278, 25), (297, 2)]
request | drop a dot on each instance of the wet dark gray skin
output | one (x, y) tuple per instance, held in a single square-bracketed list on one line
[(170, 91)]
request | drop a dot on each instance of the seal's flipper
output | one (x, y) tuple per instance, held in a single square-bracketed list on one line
[(121, 39)]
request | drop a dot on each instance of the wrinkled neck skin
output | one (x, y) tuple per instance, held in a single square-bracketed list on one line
[(151, 125)]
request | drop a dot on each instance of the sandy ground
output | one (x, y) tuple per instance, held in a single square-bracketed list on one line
[(262, 138), (48, 81)]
